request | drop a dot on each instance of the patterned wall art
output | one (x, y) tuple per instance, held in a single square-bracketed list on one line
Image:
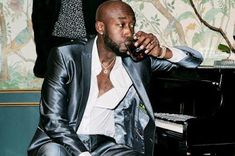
[(174, 22), (17, 49)]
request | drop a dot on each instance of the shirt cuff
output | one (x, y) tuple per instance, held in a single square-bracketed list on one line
[(85, 154), (177, 54)]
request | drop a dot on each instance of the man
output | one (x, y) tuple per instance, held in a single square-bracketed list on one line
[(94, 99), (59, 21)]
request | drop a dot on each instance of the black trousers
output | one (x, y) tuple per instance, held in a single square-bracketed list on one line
[(98, 145)]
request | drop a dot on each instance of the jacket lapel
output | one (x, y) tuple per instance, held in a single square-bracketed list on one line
[(132, 71), (86, 68), (85, 79)]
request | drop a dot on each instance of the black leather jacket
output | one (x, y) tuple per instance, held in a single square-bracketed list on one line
[(66, 88)]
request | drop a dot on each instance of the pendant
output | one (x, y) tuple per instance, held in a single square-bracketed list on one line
[(105, 71)]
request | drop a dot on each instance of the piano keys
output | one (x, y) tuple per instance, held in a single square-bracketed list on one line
[(173, 122)]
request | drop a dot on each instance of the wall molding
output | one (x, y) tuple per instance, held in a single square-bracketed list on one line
[(19, 98)]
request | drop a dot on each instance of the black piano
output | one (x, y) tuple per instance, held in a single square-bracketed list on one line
[(194, 111)]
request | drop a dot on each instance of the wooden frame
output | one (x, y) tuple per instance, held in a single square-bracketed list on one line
[(13, 98)]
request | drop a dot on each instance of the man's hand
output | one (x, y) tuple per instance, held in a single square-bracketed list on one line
[(150, 43)]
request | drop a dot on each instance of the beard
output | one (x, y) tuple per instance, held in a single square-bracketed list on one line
[(113, 46)]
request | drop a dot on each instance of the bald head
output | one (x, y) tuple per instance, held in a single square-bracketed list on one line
[(112, 7)]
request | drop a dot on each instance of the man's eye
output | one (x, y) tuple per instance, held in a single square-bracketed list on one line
[(121, 25)]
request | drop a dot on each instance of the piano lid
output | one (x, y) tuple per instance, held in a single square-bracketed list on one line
[(201, 92)]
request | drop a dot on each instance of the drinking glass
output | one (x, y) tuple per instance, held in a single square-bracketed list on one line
[(136, 53)]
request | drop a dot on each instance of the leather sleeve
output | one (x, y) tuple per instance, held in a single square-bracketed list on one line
[(54, 105), (193, 57), (192, 60)]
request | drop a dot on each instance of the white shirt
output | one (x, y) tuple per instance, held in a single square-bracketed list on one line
[(177, 55), (98, 117)]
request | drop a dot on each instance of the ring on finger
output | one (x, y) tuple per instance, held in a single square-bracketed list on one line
[(152, 42)]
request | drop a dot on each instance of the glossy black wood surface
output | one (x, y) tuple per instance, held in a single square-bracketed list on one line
[(206, 93)]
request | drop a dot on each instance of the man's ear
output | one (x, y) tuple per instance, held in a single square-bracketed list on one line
[(99, 27)]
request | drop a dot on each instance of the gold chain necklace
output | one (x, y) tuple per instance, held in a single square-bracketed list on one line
[(105, 68)]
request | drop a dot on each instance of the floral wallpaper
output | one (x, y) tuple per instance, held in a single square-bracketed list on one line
[(174, 22), (17, 50)]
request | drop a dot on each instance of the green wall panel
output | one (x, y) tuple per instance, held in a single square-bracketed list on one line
[(19, 97), (17, 126)]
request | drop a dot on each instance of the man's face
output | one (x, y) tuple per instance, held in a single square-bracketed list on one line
[(119, 28), (115, 47)]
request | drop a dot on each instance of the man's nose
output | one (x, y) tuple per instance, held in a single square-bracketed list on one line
[(128, 32)]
